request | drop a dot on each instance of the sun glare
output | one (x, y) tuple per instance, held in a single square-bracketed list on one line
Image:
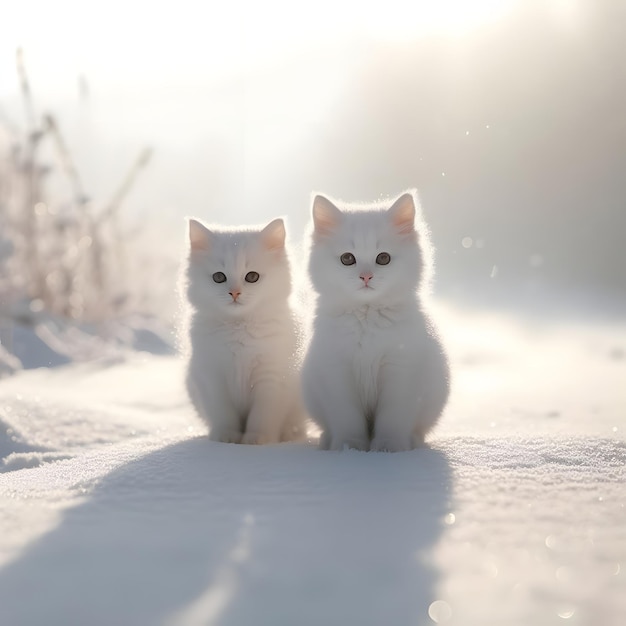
[(223, 36), (406, 19)]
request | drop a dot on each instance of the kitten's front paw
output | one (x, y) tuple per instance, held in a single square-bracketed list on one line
[(257, 439), (418, 439), (355, 443), (294, 434), (324, 443), (391, 444), (225, 436)]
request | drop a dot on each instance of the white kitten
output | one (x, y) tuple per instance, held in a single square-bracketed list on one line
[(242, 375), (375, 375)]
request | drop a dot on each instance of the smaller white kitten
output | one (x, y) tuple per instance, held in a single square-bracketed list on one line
[(241, 375), (375, 376)]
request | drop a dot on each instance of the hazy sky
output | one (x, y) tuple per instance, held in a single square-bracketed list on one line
[(184, 75), (506, 114), (121, 41)]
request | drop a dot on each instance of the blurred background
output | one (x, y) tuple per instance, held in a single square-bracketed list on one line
[(121, 118)]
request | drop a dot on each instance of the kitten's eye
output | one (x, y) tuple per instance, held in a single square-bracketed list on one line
[(219, 277), (252, 277), (347, 258), (383, 258)]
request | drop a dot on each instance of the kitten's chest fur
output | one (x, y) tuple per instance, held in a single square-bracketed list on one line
[(372, 338), (368, 330), (366, 364), (242, 358), (241, 354)]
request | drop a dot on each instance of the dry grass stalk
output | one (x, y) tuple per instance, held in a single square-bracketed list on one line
[(66, 257)]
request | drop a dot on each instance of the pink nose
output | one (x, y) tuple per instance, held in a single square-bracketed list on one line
[(235, 294), (366, 278)]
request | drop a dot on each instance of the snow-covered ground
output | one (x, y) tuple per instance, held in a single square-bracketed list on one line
[(116, 510)]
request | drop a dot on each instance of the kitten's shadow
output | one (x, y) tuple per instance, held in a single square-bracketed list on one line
[(205, 533)]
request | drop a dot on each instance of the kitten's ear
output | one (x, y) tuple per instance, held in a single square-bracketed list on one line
[(273, 235), (198, 235), (402, 213), (326, 216)]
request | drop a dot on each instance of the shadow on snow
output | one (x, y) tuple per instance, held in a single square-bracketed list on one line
[(207, 533)]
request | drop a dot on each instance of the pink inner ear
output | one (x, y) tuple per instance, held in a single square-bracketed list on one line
[(273, 235), (326, 216), (403, 214), (198, 236)]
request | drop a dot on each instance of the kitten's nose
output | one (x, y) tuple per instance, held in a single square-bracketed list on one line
[(366, 277), (235, 294)]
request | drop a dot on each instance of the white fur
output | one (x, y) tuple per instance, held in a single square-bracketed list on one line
[(375, 375), (241, 375)]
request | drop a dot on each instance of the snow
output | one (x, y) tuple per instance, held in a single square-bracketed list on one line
[(115, 509)]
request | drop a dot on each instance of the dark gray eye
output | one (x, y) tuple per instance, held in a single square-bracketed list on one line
[(252, 277), (383, 258), (219, 277), (347, 258)]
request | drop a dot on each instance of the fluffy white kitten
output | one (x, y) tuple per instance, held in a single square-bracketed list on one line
[(375, 375), (241, 375)]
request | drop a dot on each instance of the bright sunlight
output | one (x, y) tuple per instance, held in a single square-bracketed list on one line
[(111, 41)]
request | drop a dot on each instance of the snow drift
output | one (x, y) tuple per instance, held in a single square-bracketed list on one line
[(117, 510)]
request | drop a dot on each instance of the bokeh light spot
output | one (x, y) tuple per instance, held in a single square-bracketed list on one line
[(439, 611)]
